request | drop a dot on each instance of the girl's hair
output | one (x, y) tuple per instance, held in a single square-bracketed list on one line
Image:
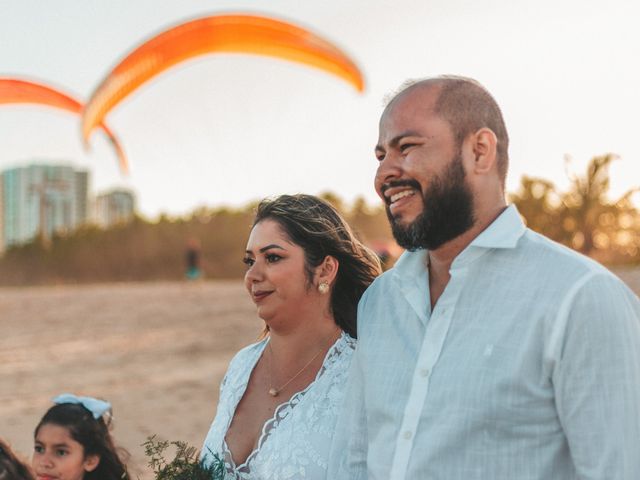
[(11, 468), (318, 228), (92, 434)]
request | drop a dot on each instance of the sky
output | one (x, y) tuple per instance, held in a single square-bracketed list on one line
[(223, 130)]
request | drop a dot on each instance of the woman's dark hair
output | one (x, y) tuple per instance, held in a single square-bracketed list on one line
[(11, 468), (92, 434), (317, 227)]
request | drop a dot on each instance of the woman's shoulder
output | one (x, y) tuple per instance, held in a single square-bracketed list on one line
[(248, 354), (339, 355), (346, 343), (242, 362)]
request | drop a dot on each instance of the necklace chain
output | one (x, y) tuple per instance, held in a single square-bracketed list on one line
[(275, 391)]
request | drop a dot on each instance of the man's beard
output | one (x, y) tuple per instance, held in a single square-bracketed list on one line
[(447, 211)]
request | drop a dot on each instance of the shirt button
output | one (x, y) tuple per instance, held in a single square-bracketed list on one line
[(407, 435), (443, 311), (424, 372)]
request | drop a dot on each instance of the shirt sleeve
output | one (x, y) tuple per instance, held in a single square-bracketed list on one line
[(348, 457), (597, 379)]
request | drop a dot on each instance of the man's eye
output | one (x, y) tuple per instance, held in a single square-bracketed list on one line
[(272, 257), (380, 156), (61, 453), (248, 261), (406, 146), (38, 449)]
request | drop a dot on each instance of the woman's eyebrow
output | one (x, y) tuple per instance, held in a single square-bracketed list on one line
[(269, 247), (264, 249)]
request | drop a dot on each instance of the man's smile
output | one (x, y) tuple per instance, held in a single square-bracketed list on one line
[(404, 193)]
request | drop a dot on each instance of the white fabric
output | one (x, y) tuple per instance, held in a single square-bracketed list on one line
[(295, 443), (527, 368)]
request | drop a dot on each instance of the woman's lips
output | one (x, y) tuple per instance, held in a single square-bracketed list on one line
[(260, 295)]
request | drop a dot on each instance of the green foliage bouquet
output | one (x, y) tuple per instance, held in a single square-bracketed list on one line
[(186, 464)]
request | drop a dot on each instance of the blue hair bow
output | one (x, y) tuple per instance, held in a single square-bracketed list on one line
[(95, 406)]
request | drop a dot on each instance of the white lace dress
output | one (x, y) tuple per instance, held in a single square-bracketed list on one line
[(295, 442)]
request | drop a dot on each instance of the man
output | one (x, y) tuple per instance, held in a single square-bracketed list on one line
[(488, 351)]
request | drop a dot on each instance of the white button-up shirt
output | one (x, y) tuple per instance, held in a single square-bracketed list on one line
[(528, 368)]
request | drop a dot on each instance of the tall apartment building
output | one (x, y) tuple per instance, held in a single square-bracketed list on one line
[(113, 207), (42, 199), (82, 196)]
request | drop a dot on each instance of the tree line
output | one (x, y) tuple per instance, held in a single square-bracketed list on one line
[(143, 250), (582, 217)]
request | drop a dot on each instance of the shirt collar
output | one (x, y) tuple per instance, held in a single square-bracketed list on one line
[(411, 274), (503, 232), (411, 263)]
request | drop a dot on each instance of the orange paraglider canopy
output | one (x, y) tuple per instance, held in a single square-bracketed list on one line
[(220, 33), (13, 90)]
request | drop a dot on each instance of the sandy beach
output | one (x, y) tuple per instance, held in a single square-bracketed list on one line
[(157, 351)]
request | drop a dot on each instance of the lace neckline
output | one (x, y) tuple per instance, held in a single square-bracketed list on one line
[(272, 422)]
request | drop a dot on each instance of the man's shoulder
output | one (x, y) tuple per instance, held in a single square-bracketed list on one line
[(549, 255), (385, 288), (376, 286), (384, 278), (554, 271), (401, 267)]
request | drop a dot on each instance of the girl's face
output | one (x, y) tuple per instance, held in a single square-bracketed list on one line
[(57, 456)]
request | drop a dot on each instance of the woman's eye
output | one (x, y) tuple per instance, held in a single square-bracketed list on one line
[(38, 449), (61, 453), (272, 257), (248, 261)]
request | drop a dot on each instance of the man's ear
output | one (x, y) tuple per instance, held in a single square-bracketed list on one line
[(91, 462), (327, 270), (485, 150)]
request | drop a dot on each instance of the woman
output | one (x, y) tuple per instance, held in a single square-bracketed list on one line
[(279, 399)]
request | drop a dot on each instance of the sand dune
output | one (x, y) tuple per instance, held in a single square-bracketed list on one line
[(157, 351)]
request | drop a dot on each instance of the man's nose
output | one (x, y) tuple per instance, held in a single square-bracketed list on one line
[(389, 168)]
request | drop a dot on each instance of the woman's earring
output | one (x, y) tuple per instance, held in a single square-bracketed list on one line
[(323, 287)]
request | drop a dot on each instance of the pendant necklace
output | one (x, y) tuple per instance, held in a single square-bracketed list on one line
[(275, 391)]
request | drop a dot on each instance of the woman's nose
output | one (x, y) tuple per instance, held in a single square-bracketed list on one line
[(254, 273)]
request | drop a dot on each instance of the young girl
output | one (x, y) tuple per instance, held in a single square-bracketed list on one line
[(72, 442)]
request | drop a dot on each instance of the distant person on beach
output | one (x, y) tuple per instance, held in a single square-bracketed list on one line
[(72, 442), (192, 260), (280, 397), (487, 351), (12, 468)]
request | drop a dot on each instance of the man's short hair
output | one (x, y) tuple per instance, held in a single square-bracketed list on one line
[(468, 107)]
